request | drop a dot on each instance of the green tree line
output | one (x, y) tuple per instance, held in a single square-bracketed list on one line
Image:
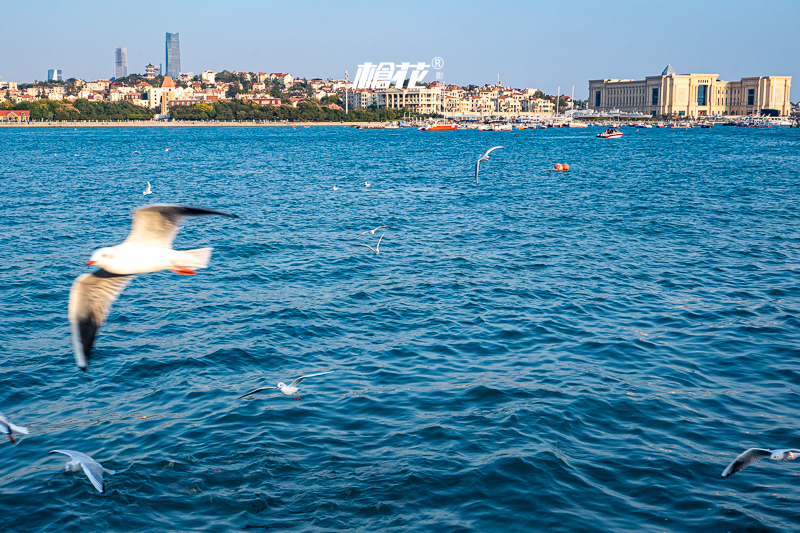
[(81, 110), (306, 111)]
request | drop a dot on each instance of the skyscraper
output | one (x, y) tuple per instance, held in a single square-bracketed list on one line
[(54, 74), (173, 55), (122, 63)]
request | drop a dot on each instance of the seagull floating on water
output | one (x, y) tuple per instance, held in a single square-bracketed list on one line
[(147, 190), (288, 390), (335, 188), (9, 429), (376, 250), (367, 184), (370, 231), (148, 248), (748, 457), (94, 471), (484, 157)]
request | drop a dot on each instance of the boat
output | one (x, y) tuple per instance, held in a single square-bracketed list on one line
[(501, 127), (610, 133), (437, 126), (576, 125)]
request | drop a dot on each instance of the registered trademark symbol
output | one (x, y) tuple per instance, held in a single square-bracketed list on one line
[(437, 62)]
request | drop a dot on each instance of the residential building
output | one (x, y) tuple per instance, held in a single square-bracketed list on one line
[(208, 76), (173, 55), (15, 115), (121, 57), (420, 99), (692, 95)]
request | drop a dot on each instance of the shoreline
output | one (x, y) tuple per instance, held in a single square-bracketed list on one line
[(182, 124)]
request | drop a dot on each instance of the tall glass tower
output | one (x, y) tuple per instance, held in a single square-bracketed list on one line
[(173, 55), (122, 62)]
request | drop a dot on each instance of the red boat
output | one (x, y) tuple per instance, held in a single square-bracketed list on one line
[(610, 133), (439, 127)]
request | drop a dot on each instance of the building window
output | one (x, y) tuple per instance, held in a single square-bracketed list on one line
[(681, 113), (654, 101), (751, 96), (701, 94), (597, 98)]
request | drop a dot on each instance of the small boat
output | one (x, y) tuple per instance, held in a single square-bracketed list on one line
[(576, 125), (439, 127), (610, 133)]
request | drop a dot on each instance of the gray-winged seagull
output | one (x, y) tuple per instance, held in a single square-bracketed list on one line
[(484, 157), (748, 457), (9, 429), (288, 390), (148, 248), (377, 248), (94, 471)]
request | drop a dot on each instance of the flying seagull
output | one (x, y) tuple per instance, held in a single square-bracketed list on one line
[(9, 429), (94, 471), (148, 248), (484, 157), (377, 246), (288, 390), (147, 190), (335, 188), (748, 457), (371, 231)]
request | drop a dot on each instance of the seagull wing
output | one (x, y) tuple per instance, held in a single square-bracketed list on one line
[(362, 233), (90, 300), (93, 469), (477, 165), (379, 227), (489, 151), (157, 225), (745, 459), (301, 378), (366, 246), (377, 246), (253, 392)]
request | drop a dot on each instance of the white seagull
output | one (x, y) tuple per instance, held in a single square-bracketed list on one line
[(376, 250), (748, 457), (9, 429), (148, 248), (147, 190), (94, 471), (137, 152), (335, 188), (288, 390), (370, 231), (484, 157), (367, 184)]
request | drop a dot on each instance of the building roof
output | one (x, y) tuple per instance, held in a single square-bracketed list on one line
[(669, 71), (167, 83), (14, 112)]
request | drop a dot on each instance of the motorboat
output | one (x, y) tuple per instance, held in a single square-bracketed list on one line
[(610, 133), (438, 126)]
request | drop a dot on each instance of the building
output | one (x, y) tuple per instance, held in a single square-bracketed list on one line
[(420, 99), (121, 70), (150, 72), (208, 76), (54, 75), (692, 95), (15, 115), (173, 55)]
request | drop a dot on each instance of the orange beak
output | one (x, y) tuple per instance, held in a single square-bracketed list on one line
[(89, 263)]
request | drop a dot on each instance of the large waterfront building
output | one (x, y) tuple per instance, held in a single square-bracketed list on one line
[(121, 60), (692, 95), (173, 55)]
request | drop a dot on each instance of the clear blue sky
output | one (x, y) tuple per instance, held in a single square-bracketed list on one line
[(529, 43)]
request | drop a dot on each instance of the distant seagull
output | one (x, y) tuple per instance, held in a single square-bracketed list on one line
[(484, 157), (376, 250), (288, 390), (9, 429), (748, 457), (147, 190), (167, 150), (335, 188), (148, 248), (371, 231), (94, 471), (367, 184), (137, 152)]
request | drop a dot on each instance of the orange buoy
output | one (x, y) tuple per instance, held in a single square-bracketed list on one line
[(558, 167), (565, 167)]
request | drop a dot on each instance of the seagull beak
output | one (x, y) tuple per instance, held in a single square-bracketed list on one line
[(90, 263)]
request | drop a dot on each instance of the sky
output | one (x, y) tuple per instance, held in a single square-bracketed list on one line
[(545, 45)]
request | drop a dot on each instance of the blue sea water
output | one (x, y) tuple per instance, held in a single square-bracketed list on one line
[(542, 351)]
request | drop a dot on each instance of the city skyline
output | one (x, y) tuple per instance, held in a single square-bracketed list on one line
[(542, 45)]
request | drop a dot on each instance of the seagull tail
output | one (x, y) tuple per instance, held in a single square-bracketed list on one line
[(197, 258)]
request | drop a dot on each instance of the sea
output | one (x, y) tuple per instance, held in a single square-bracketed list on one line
[(534, 351)]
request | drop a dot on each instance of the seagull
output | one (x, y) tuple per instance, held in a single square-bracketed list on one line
[(367, 184), (167, 150), (377, 246), (748, 457), (484, 157), (137, 152), (8, 428), (147, 190), (148, 248), (335, 188), (371, 231), (94, 471), (288, 390)]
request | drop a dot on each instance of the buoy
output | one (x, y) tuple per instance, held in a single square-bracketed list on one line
[(565, 167), (558, 167)]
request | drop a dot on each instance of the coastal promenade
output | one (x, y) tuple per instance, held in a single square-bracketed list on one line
[(178, 124)]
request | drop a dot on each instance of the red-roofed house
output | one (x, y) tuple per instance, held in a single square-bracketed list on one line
[(283, 79), (14, 115)]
